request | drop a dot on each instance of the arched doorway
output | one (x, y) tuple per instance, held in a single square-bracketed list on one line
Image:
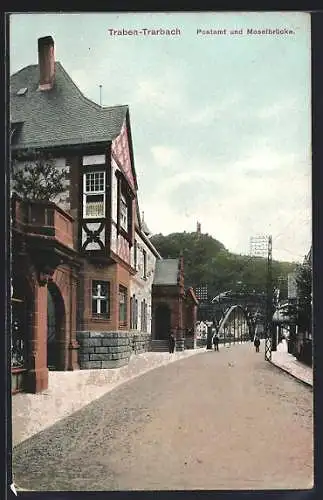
[(21, 325), (55, 326), (162, 322)]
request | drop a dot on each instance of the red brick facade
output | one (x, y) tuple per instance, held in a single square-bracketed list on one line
[(43, 264), (115, 275), (174, 310)]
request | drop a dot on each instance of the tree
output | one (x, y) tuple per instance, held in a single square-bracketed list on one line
[(36, 177), (301, 311)]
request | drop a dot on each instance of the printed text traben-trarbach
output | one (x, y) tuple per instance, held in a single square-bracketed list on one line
[(144, 32)]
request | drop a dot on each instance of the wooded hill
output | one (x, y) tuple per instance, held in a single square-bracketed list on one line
[(207, 261)]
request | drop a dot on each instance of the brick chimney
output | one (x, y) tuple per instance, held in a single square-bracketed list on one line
[(46, 61)]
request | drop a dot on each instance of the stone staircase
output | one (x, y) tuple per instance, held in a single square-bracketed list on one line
[(159, 346)]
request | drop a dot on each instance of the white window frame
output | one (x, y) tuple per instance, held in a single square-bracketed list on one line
[(98, 298), (123, 291), (135, 255), (94, 192), (123, 212)]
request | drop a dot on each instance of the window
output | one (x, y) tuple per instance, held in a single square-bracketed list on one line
[(135, 255), (136, 315), (133, 312), (100, 298), (94, 194), (143, 316), (144, 264), (122, 304), (125, 197), (123, 213), (15, 131), (22, 91)]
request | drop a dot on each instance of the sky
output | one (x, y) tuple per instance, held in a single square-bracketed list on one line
[(221, 123)]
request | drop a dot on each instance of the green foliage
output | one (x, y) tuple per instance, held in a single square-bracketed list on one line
[(207, 261), (301, 311), (198, 250), (35, 177)]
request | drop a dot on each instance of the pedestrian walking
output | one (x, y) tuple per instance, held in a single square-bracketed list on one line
[(256, 343), (216, 342), (171, 343)]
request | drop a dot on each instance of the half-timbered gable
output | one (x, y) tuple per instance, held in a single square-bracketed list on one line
[(123, 193)]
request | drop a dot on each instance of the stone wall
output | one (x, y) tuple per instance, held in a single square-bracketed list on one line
[(103, 349), (110, 349), (140, 342)]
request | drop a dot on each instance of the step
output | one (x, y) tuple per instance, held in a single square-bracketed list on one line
[(159, 345)]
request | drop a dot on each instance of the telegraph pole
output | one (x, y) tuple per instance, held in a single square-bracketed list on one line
[(269, 308)]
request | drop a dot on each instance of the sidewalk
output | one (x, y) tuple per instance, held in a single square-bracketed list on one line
[(68, 392), (288, 363)]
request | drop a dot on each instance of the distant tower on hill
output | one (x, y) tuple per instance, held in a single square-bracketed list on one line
[(198, 227)]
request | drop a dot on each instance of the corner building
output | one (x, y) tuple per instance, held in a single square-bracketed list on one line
[(80, 261)]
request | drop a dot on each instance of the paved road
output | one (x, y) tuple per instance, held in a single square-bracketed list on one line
[(217, 420)]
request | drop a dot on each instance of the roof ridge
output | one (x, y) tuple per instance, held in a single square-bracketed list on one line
[(90, 122), (68, 77), (22, 69), (81, 95), (86, 99)]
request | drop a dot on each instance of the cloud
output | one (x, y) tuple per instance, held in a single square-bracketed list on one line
[(165, 156), (233, 204), (278, 109), (160, 92), (209, 113)]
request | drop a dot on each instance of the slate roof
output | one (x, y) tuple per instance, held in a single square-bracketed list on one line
[(166, 272), (61, 116)]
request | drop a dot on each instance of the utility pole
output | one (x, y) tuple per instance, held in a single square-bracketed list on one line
[(100, 95), (269, 306)]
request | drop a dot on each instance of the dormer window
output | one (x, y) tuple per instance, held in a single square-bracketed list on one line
[(94, 195), (22, 91), (15, 130)]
